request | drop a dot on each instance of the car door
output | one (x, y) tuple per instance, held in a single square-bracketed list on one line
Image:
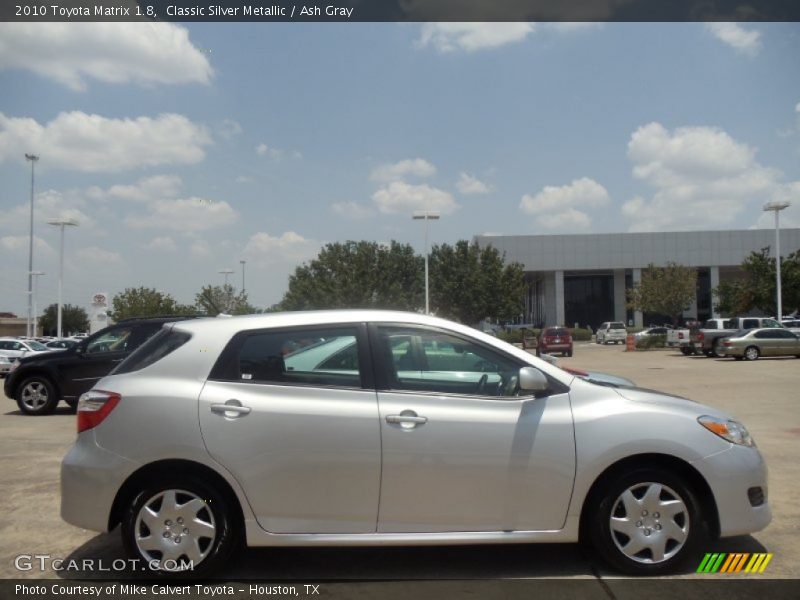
[(293, 415), (768, 341), (94, 359), (786, 343), (461, 451)]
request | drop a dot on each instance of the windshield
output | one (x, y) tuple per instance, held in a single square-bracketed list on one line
[(36, 346)]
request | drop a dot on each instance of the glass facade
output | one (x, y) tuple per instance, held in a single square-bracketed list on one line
[(588, 299)]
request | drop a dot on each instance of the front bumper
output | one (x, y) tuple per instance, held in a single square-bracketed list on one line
[(730, 474), (90, 479)]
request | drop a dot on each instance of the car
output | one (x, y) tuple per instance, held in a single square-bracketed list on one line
[(529, 340), (17, 348), (611, 332), (5, 364), (750, 344), (62, 344), (644, 333), (555, 339), (38, 382), (366, 427)]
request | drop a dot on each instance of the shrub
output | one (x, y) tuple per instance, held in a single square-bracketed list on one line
[(651, 341), (581, 335)]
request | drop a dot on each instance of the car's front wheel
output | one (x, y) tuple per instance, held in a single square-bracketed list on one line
[(179, 528), (37, 396), (751, 353), (647, 522)]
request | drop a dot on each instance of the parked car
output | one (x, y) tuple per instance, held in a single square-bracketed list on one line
[(62, 344), (38, 382), (651, 331), (5, 364), (611, 332), (17, 348), (529, 340), (220, 431), (555, 339), (708, 339), (749, 344)]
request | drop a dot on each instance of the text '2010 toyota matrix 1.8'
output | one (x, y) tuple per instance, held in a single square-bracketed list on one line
[(373, 427)]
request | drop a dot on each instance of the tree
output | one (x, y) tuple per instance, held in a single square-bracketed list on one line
[(73, 319), (757, 288), (146, 302), (469, 283), (665, 290), (216, 299), (358, 275)]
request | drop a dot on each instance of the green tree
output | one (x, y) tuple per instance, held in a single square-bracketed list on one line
[(469, 283), (358, 275), (757, 288), (146, 302), (73, 319), (216, 299), (665, 290)]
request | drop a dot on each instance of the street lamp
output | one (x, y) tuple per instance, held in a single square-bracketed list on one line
[(62, 223), (33, 158), (777, 207), (228, 293), (426, 216), (242, 262), (226, 272), (36, 275)]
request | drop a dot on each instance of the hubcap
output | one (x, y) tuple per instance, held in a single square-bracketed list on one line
[(649, 523), (752, 353), (34, 395), (175, 525)]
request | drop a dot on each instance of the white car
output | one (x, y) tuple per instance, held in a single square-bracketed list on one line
[(12, 349), (611, 332)]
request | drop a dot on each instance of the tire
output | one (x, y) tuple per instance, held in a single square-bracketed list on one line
[(717, 349), (208, 541), (634, 502), (751, 353), (37, 396), (73, 403), (568, 353)]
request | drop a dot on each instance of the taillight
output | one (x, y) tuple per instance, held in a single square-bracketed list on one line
[(727, 343), (701, 336), (680, 335), (94, 406)]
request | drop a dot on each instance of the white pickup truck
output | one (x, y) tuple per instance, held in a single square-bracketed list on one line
[(680, 338)]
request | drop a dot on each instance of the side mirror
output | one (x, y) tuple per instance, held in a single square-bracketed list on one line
[(532, 380)]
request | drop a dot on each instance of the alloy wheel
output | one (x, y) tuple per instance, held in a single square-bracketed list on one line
[(34, 395)]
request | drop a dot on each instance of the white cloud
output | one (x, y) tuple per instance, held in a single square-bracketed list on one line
[(99, 256), (469, 184), (146, 189), (244, 179), (703, 178), (229, 128), (69, 53), (743, 40), (582, 192), (412, 167), (187, 215), (19, 244), (49, 205), (568, 221), (161, 244), (352, 210), (91, 143), (200, 249), (276, 153), (399, 197), (289, 247), (470, 37)]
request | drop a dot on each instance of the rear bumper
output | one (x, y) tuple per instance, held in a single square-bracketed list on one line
[(90, 478), (555, 347)]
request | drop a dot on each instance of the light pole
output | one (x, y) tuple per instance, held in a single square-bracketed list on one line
[(226, 272), (228, 293), (33, 158), (777, 207), (242, 262), (426, 216), (35, 275), (62, 223)]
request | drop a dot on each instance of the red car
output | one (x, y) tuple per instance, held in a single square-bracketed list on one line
[(555, 339)]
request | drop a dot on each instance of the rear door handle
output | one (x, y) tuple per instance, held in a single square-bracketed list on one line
[(407, 419), (232, 408)]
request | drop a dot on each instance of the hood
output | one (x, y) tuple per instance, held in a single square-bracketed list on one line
[(44, 356), (670, 401)]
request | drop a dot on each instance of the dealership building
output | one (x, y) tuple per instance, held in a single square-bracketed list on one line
[(583, 278)]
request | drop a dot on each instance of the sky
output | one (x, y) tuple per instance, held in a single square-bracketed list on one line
[(183, 149)]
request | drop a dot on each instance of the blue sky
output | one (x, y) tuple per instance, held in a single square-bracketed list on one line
[(183, 149)]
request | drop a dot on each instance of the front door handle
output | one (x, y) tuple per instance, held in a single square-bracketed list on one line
[(407, 419), (231, 409)]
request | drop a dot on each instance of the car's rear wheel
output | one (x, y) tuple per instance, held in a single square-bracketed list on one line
[(37, 396), (647, 522), (718, 349), (568, 353), (751, 353), (179, 528)]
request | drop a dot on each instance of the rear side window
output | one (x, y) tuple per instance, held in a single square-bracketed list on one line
[(557, 331), (153, 350), (749, 323)]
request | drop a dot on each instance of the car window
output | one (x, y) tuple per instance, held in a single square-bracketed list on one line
[(115, 340), (557, 332), (617, 325), (767, 334), (323, 357), (784, 333), (37, 346), (749, 323), (771, 323), (162, 343), (423, 360)]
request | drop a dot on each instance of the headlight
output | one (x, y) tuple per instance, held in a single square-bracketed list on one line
[(730, 430)]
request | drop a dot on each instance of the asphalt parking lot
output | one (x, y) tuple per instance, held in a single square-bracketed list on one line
[(763, 394)]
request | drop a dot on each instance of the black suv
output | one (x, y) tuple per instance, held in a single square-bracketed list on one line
[(38, 382)]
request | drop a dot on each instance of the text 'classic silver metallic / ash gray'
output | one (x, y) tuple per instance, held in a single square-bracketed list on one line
[(375, 427)]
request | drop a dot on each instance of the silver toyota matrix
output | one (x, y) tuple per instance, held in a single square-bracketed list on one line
[(359, 427)]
